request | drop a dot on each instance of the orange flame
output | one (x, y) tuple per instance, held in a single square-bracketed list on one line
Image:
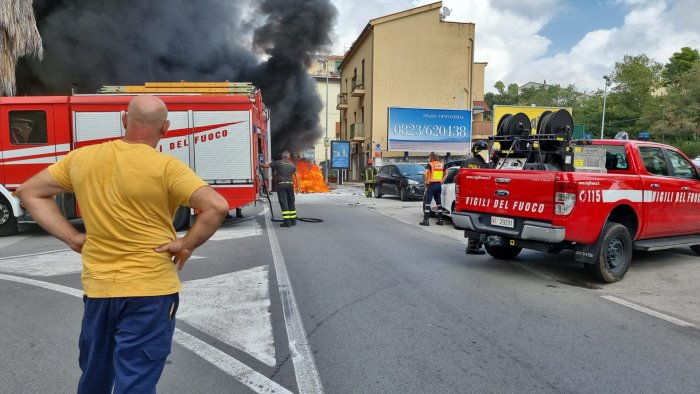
[(310, 178)]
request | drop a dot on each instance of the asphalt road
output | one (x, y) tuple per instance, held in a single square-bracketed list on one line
[(369, 302)]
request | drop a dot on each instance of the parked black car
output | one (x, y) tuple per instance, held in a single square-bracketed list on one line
[(404, 180)]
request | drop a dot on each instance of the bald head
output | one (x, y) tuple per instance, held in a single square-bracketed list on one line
[(146, 120)]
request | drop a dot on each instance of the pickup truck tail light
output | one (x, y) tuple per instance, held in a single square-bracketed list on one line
[(564, 197)]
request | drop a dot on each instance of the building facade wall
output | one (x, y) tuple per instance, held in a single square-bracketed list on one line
[(329, 103), (360, 64), (411, 59), (420, 62), (479, 78)]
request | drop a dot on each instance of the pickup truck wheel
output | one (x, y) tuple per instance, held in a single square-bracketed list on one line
[(695, 248), (377, 193), (8, 221), (503, 252), (615, 254), (402, 194), (182, 218)]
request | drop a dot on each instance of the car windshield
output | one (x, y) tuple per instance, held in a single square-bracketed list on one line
[(410, 169)]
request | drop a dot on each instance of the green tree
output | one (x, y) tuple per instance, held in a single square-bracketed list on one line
[(680, 63), (504, 96), (18, 37), (635, 79), (682, 107), (550, 96)]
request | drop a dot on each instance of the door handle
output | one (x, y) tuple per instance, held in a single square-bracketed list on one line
[(655, 186), (685, 188)]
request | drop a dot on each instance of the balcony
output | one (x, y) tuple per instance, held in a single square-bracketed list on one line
[(358, 87), (357, 132), (342, 101)]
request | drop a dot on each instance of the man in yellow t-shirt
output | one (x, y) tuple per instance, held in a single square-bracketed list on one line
[(128, 194)]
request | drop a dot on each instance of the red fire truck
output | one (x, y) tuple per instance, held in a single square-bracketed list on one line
[(221, 130)]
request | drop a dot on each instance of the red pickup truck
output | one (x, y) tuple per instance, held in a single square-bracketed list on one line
[(642, 196)]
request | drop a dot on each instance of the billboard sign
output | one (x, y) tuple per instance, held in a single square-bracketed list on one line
[(426, 129), (533, 113), (340, 155)]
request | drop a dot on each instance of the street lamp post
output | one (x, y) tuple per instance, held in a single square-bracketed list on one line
[(325, 140), (605, 96)]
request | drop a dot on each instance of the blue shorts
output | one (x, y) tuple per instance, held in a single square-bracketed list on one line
[(124, 343)]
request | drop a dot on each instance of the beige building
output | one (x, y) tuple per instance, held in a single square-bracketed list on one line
[(324, 70), (411, 59)]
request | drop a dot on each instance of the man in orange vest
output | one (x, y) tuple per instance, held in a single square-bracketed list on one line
[(432, 177)]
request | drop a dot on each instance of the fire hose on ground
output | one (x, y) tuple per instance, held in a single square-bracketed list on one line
[(272, 211)]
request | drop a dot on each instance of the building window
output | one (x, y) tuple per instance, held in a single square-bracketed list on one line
[(28, 127)]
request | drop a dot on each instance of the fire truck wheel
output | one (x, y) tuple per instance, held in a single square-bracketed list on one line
[(695, 248), (8, 221), (182, 218), (503, 252), (615, 254), (377, 193)]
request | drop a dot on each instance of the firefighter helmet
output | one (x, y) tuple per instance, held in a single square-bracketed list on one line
[(478, 146)]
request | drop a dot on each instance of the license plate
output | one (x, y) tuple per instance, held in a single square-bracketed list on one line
[(502, 222)]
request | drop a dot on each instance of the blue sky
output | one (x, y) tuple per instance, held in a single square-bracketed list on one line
[(576, 18), (561, 41)]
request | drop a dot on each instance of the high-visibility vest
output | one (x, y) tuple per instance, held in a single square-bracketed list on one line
[(436, 170), (369, 174)]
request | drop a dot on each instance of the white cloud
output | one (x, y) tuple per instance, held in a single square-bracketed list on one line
[(508, 36)]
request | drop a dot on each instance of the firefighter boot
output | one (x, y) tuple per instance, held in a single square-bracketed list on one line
[(294, 222), (425, 221), (439, 214), (474, 247), (287, 223)]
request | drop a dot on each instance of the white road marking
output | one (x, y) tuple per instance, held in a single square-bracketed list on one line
[(254, 380), (308, 379), (234, 308), (51, 263), (648, 311), (247, 228), (241, 372), (46, 285), (56, 262)]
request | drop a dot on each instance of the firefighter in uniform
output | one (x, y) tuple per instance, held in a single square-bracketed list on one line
[(479, 159), (370, 174), (432, 176), (286, 171)]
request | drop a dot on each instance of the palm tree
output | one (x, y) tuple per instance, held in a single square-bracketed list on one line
[(19, 37)]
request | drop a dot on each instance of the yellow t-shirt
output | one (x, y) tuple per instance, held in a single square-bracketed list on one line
[(128, 195)]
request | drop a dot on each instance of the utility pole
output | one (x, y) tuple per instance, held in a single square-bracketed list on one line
[(326, 142)]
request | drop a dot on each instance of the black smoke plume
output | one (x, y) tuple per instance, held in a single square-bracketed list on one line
[(129, 42)]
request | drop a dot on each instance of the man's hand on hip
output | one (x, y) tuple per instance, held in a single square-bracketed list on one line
[(179, 252)]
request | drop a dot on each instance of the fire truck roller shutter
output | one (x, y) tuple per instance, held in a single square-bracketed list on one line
[(97, 127), (179, 138), (222, 145)]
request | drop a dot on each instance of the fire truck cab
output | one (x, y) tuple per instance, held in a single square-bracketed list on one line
[(223, 138)]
